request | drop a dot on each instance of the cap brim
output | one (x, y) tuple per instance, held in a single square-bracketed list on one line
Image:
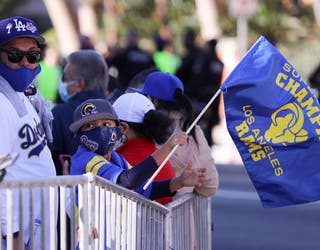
[(135, 90), (75, 126), (41, 41)]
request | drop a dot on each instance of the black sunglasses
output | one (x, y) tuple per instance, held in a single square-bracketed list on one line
[(16, 55)]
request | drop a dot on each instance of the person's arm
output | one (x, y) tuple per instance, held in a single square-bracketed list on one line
[(161, 189), (137, 175), (177, 138)]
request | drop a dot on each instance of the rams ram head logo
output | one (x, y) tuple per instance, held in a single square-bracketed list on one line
[(287, 125), (88, 109)]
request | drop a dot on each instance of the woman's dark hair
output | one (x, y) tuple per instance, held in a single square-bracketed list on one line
[(156, 126), (183, 105)]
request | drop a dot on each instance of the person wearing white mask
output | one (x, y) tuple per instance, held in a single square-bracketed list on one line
[(143, 127), (85, 76)]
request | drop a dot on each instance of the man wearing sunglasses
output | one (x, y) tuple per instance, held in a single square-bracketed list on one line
[(22, 130)]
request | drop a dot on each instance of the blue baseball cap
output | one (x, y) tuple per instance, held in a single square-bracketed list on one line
[(17, 27), (161, 85)]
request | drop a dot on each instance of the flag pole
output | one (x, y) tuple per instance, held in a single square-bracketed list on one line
[(176, 146)]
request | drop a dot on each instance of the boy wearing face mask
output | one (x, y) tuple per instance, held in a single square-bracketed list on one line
[(96, 126), (22, 129)]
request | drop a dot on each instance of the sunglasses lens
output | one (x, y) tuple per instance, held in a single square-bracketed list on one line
[(16, 56), (33, 56)]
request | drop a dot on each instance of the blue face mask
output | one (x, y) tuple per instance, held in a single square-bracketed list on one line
[(63, 92), (100, 140), (121, 138), (19, 79)]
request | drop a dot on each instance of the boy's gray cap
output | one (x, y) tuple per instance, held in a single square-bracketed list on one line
[(91, 110)]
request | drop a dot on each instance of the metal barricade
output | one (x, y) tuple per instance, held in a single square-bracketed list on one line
[(98, 214), (20, 199), (125, 219), (190, 223)]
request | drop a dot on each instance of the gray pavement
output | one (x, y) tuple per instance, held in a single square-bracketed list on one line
[(241, 223)]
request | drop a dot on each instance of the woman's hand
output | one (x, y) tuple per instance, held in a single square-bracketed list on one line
[(177, 138), (189, 178)]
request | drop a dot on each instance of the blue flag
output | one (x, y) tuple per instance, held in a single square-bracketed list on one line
[(274, 121)]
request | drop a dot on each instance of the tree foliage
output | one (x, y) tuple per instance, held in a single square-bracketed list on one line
[(279, 20), (7, 7)]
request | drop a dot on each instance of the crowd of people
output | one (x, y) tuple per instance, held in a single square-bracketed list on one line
[(118, 127)]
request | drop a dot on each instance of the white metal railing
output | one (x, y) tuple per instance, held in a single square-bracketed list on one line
[(97, 214)]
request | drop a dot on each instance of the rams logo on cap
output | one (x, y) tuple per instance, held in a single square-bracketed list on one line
[(89, 109)]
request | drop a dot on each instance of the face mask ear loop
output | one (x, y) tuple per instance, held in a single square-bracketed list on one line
[(124, 138), (125, 126)]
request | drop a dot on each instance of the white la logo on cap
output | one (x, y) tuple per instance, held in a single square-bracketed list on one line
[(20, 26)]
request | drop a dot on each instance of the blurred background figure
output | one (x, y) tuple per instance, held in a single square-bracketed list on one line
[(314, 81), (113, 89), (205, 82), (165, 58), (129, 60), (138, 80), (202, 71), (49, 78), (85, 42), (191, 52)]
